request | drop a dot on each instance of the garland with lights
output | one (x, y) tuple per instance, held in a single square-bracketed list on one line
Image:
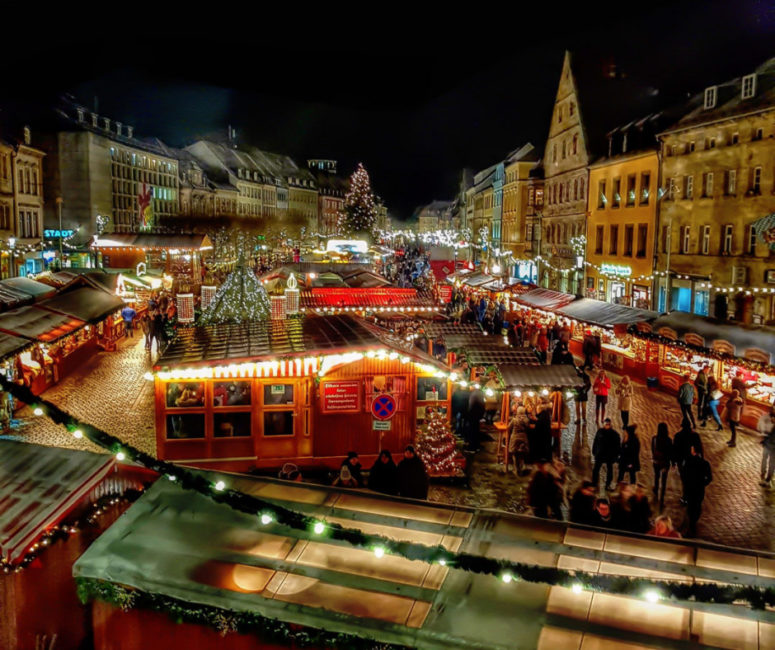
[(223, 620), (270, 513)]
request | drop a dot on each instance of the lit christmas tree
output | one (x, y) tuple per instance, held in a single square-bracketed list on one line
[(437, 446), (240, 299), (359, 216)]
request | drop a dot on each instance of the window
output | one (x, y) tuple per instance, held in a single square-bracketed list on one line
[(731, 181), (749, 86), (710, 143), (616, 191), (685, 240), (645, 187), (601, 200), (758, 134), (705, 239), (710, 97), (599, 240), (185, 395), (231, 393), (726, 240), (735, 138), (554, 153), (756, 185), (631, 190), (708, 189), (643, 230), (431, 389), (232, 425), (582, 194), (691, 146), (186, 425), (571, 108), (559, 114), (575, 143), (689, 185), (613, 240), (278, 423), (751, 241), (671, 188), (628, 235)]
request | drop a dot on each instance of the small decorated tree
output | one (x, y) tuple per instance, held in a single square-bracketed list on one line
[(437, 446), (359, 216), (241, 298)]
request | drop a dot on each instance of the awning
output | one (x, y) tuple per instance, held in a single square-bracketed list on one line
[(605, 314), (149, 241), (15, 292), (86, 304), (523, 376), (11, 345), (38, 324), (755, 343), (498, 355), (477, 279), (545, 299)]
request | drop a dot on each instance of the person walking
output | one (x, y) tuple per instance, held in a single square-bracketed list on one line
[(412, 475), (686, 399), (624, 393), (146, 325), (543, 492), (460, 398), (383, 476), (701, 386), (629, 455), (475, 413), (683, 441), (714, 397), (519, 449), (661, 458), (734, 411), (768, 449), (582, 504), (697, 477), (605, 449), (128, 314), (582, 395), (600, 388)]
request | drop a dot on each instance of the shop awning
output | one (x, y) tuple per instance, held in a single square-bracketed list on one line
[(38, 486), (484, 355), (378, 298), (755, 343), (85, 303), (15, 292), (154, 240), (605, 314), (477, 279), (38, 324), (517, 376), (545, 299), (11, 345)]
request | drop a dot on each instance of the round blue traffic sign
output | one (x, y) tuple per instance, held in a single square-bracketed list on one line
[(383, 407)]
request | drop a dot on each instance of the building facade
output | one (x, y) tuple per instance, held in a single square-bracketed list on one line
[(565, 202), (522, 201), (718, 180), (331, 191), (434, 216)]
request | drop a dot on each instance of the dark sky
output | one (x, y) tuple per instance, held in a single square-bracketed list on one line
[(414, 100)]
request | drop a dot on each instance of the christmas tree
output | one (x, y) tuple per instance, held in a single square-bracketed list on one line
[(359, 215), (240, 299), (437, 446)]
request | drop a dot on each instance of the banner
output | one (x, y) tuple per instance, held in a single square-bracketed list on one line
[(208, 294), (185, 304), (145, 205)]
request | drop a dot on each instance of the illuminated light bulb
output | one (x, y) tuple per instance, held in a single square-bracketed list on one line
[(443, 562), (38, 411), (507, 578), (517, 393), (266, 519), (148, 376), (577, 588), (379, 551), (489, 392), (220, 485), (477, 386), (318, 528), (652, 595), (464, 383), (545, 392), (172, 477), (530, 393), (569, 395), (78, 433), (120, 455)]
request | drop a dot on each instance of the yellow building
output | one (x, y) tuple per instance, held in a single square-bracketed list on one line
[(519, 201), (718, 179)]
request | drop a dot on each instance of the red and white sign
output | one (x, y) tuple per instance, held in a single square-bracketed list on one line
[(341, 396), (384, 407), (185, 304), (445, 293)]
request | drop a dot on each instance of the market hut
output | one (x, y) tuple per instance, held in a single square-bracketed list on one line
[(53, 503), (179, 570)]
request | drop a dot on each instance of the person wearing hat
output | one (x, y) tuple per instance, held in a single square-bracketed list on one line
[(345, 478), (353, 464), (412, 475)]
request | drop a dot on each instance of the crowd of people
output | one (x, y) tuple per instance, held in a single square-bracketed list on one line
[(160, 311), (410, 269), (407, 478)]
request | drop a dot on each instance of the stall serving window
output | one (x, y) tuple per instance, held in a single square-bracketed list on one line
[(231, 409), (759, 386), (279, 409), (685, 362), (191, 397)]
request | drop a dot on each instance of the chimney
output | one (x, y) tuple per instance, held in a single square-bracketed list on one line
[(106, 122), (94, 117), (118, 128), (129, 130), (27, 136), (80, 111)]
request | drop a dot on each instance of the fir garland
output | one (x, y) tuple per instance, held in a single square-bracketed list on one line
[(223, 620), (755, 597)]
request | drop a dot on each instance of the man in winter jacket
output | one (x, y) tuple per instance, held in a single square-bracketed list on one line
[(686, 399), (605, 449), (768, 451), (701, 386), (697, 477), (683, 442)]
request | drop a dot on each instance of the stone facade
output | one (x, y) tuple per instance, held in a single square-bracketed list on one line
[(521, 202)]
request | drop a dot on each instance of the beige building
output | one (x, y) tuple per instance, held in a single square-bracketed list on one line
[(718, 179), (520, 208), (565, 181)]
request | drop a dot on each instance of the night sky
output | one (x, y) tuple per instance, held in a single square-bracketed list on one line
[(415, 101)]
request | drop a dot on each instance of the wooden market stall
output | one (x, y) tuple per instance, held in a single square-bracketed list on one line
[(260, 394), (683, 343), (253, 586)]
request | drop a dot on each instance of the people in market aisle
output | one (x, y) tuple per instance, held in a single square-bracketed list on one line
[(640, 510), (491, 398), (621, 513), (738, 384), (624, 393), (582, 505), (543, 492), (683, 442), (662, 459), (146, 325), (459, 405), (582, 395), (541, 442), (383, 476), (605, 450), (519, 449), (128, 314), (542, 345), (561, 355), (600, 388), (629, 455), (714, 398), (475, 414), (698, 476), (734, 411), (767, 427), (686, 399), (412, 475), (701, 386), (353, 463), (663, 527)]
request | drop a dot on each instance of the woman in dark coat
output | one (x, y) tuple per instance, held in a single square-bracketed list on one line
[(412, 476), (383, 476), (629, 455)]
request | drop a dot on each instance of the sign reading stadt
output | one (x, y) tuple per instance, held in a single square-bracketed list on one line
[(339, 396)]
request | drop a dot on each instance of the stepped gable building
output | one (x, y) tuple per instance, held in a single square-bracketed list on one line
[(719, 185)]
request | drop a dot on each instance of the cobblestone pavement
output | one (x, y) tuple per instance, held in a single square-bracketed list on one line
[(110, 392), (737, 511)]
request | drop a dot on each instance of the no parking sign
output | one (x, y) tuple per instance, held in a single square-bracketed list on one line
[(383, 407)]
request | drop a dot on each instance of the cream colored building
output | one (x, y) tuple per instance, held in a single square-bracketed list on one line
[(718, 179), (519, 201)]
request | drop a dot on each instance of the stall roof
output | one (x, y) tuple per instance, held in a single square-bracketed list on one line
[(379, 297), (182, 545), (151, 240), (477, 279), (756, 343), (545, 298), (486, 355), (606, 314), (276, 339), (85, 303), (35, 289), (10, 345), (522, 376), (34, 322), (38, 486)]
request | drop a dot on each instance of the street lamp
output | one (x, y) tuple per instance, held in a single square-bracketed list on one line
[(59, 201)]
